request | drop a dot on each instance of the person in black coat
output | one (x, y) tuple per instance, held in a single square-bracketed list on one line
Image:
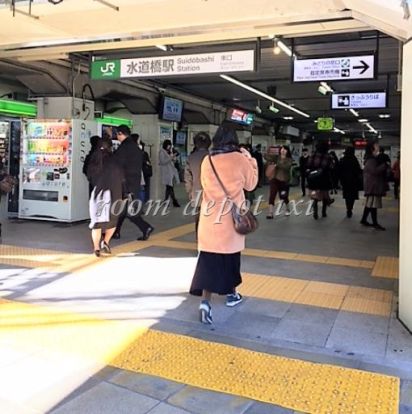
[(303, 161), (350, 176), (105, 176), (130, 157), (94, 140)]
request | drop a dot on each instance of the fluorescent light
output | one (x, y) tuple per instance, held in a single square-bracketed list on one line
[(273, 108), (326, 86), (371, 128), (288, 118), (384, 116), (264, 95), (276, 48), (339, 130), (285, 48), (354, 112), (162, 47), (363, 120), (322, 90)]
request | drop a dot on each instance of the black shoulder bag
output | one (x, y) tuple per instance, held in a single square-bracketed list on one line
[(244, 221)]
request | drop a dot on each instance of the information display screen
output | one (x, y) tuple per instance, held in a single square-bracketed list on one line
[(241, 117), (171, 109)]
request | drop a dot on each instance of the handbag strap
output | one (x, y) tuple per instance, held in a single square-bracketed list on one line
[(218, 178)]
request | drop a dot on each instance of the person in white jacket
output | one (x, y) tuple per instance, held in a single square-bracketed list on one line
[(168, 171)]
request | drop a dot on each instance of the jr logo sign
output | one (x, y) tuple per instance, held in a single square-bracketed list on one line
[(105, 69)]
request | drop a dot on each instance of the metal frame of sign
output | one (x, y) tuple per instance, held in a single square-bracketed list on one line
[(340, 55), (360, 109)]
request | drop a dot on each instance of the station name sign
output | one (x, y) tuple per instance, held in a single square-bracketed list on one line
[(334, 68), (359, 100), (175, 65)]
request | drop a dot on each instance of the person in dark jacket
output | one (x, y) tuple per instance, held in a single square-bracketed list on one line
[(350, 175), (147, 172), (319, 178), (257, 155), (334, 172), (193, 186), (105, 176), (303, 161), (374, 184), (130, 157), (94, 140)]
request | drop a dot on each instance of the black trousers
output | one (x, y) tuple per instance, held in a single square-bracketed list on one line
[(303, 183), (137, 219), (170, 192), (349, 203)]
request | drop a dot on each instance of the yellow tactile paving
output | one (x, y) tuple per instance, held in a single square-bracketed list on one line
[(320, 294), (371, 307), (386, 266), (290, 383)]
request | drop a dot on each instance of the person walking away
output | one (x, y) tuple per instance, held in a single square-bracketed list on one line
[(257, 155), (279, 184), (303, 160), (334, 172), (94, 140), (106, 177), (130, 157), (374, 184), (168, 170), (319, 178), (218, 265), (147, 172), (192, 171), (350, 176), (396, 172)]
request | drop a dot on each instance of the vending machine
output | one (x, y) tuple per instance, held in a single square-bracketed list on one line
[(52, 184)]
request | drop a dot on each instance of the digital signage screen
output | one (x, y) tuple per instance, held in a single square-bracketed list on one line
[(241, 117), (171, 109)]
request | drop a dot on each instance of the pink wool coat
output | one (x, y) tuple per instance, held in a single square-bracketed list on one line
[(238, 171)]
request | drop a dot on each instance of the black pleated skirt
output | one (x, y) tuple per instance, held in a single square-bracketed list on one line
[(217, 273)]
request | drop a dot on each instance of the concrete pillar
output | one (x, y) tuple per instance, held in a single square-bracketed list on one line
[(405, 236)]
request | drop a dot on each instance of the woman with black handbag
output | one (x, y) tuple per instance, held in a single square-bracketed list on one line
[(219, 244)]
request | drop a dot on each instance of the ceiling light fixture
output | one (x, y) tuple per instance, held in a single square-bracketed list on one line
[(322, 90), (363, 120), (276, 48), (288, 118), (354, 112), (264, 95), (339, 130), (162, 47), (371, 128), (326, 86), (384, 116), (273, 108)]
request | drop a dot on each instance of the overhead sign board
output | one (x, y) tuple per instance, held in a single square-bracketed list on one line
[(334, 68), (359, 100), (325, 124), (175, 65)]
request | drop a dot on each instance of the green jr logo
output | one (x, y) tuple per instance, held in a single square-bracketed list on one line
[(108, 69)]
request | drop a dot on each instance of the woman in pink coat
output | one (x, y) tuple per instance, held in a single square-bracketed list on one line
[(219, 245)]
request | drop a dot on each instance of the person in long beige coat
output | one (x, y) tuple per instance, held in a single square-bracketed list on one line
[(219, 245)]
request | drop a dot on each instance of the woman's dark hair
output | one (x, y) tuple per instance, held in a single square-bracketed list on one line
[(369, 149), (288, 152), (100, 155), (166, 143), (349, 151), (135, 138), (225, 136), (322, 147), (94, 140)]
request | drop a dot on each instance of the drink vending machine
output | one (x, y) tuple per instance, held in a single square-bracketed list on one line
[(52, 184)]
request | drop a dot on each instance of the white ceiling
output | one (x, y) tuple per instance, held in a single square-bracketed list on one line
[(147, 22)]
